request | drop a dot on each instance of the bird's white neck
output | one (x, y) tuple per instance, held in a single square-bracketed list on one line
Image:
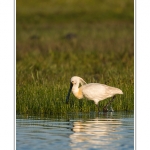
[(75, 88), (77, 91)]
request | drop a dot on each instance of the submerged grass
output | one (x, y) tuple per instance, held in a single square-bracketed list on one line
[(56, 41)]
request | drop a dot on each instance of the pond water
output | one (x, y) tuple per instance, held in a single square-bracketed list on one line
[(112, 131)]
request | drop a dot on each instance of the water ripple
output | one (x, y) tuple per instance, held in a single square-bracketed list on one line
[(111, 131)]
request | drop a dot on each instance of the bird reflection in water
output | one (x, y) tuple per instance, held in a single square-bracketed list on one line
[(95, 133)]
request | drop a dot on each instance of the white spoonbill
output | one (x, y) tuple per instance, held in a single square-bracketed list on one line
[(92, 91)]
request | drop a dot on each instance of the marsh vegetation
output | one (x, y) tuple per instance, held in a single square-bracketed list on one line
[(56, 40)]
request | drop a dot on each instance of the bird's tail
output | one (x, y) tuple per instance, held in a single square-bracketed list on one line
[(119, 91)]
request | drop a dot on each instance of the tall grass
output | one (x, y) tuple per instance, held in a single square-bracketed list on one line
[(93, 43)]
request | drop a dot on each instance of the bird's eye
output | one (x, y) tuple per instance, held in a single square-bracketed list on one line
[(73, 82)]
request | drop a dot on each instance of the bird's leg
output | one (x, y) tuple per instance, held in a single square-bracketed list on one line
[(80, 105), (97, 108), (111, 109), (105, 109)]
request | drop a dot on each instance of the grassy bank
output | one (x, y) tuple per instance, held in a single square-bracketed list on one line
[(57, 40)]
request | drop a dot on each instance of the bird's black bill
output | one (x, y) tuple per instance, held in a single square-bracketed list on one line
[(67, 98)]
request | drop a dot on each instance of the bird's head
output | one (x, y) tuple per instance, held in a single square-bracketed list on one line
[(75, 80)]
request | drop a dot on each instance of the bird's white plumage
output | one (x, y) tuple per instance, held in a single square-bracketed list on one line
[(98, 92), (92, 91)]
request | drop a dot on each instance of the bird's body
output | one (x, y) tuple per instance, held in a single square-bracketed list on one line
[(96, 92), (92, 91)]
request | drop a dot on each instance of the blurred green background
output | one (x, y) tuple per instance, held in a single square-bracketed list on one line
[(57, 39)]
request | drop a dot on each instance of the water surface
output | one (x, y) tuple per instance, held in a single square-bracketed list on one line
[(112, 130)]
